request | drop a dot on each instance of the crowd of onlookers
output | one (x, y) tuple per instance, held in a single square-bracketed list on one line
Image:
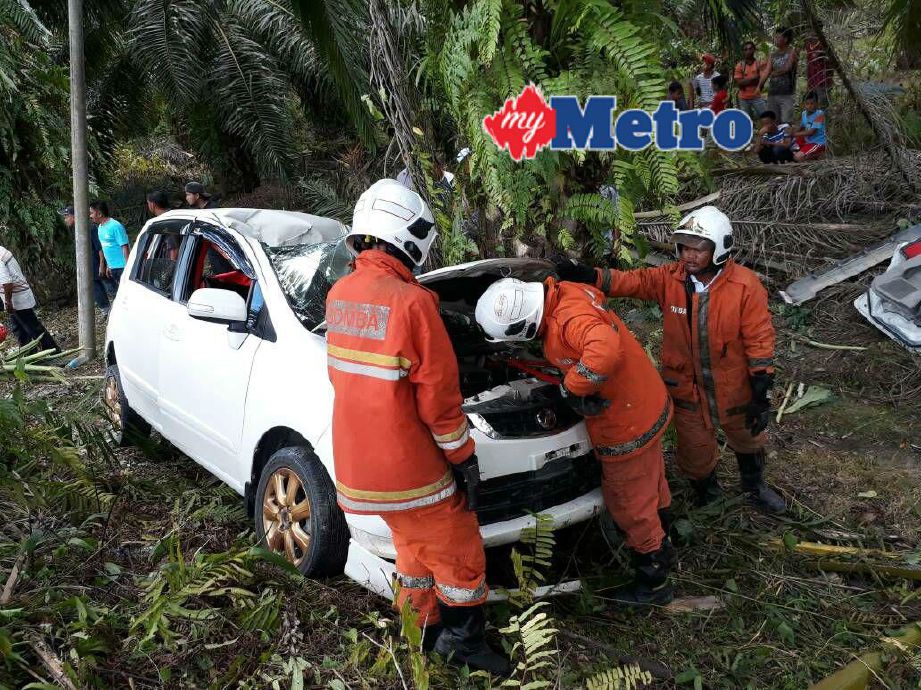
[(780, 137), (110, 247)]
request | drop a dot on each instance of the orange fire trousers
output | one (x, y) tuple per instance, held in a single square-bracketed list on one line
[(634, 491), (439, 556), (698, 452)]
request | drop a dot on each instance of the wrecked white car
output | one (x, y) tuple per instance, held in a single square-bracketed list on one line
[(216, 340), (893, 302)]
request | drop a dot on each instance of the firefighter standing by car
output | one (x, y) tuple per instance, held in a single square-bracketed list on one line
[(717, 351), (611, 381), (399, 434)]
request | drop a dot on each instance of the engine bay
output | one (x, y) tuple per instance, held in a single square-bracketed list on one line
[(509, 390)]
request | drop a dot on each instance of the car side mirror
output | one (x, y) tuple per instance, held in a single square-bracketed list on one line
[(217, 306)]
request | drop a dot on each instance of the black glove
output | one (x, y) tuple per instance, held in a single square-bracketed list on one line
[(585, 405), (758, 411), (567, 269), (467, 474)]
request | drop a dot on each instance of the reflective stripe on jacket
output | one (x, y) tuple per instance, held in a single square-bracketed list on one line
[(711, 342), (397, 420), (600, 355)]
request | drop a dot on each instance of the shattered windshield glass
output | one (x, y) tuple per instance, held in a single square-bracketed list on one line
[(306, 273)]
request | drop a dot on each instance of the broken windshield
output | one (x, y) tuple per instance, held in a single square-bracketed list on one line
[(306, 274)]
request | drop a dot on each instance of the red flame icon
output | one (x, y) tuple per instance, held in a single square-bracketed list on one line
[(524, 125)]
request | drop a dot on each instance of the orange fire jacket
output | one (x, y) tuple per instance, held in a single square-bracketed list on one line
[(712, 341), (397, 418), (600, 355)]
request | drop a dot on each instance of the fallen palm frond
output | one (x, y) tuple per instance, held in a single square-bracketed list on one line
[(781, 214), (857, 674), (850, 559), (29, 361)]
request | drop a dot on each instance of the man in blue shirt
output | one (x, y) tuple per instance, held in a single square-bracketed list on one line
[(114, 240), (99, 284)]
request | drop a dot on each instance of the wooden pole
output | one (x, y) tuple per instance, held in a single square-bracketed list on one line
[(86, 317)]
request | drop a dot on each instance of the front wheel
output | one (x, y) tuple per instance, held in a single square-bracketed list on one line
[(297, 515), (128, 427)]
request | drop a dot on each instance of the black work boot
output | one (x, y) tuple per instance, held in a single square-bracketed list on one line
[(706, 490), (760, 495), (650, 586), (463, 640)]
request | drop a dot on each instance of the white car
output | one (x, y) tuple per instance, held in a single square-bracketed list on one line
[(217, 341)]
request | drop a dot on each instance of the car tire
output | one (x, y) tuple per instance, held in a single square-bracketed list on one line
[(297, 514), (128, 427)]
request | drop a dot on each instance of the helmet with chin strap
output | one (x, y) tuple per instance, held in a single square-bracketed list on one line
[(705, 223)]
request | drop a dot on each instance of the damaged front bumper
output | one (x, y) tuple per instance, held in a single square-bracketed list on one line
[(370, 561)]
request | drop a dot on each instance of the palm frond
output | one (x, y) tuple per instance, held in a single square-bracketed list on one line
[(167, 39), (19, 14), (250, 94), (336, 29)]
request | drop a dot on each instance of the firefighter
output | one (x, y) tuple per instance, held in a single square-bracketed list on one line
[(399, 434), (610, 381), (717, 351)]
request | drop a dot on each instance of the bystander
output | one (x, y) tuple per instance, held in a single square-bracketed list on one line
[(19, 303), (114, 240), (100, 287), (749, 77)]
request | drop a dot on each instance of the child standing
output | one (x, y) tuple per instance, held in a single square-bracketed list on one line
[(720, 94)]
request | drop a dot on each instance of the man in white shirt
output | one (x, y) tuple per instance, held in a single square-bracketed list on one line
[(702, 85), (19, 303)]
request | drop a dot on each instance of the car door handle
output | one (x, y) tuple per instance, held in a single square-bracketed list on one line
[(172, 332)]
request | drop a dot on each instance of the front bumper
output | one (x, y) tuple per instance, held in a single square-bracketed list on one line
[(370, 561)]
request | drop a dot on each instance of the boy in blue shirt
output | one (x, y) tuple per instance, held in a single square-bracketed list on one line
[(810, 135), (114, 241)]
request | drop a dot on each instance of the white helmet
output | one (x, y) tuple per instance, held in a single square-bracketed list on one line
[(708, 223), (390, 212), (511, 309)]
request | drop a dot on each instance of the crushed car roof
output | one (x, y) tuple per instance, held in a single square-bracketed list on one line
[(280, 228), (270, 227)]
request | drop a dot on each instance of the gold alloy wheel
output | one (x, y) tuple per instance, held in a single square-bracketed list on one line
[(285, 510), (113, 406)]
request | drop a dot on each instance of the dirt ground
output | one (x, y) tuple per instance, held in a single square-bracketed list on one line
[(757, 614)]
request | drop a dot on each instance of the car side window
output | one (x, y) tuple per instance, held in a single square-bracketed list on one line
[(158, 257), (217, 262)]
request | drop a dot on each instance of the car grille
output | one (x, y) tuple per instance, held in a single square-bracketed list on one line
[(557, 482), (544, 413)]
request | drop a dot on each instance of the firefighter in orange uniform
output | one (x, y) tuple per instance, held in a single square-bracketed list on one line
[(717, 350), (399, 434), (611, 381)]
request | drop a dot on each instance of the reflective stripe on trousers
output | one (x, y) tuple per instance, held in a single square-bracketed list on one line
[(461, 595)]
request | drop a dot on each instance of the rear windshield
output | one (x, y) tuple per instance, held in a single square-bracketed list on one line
[(306, 274)]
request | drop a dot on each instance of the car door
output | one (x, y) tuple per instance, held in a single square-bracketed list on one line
[(204, 366), (140, 308)]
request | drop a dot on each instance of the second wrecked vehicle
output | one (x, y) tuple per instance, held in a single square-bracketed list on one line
[(217, 340), (893, 302)]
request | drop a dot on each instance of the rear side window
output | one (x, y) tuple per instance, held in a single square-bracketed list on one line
[(159, 258)]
